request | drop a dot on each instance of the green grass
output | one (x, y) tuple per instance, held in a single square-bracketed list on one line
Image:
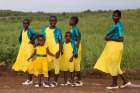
[(93, 26)]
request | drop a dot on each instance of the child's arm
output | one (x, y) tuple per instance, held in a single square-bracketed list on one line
[(60, 45), (32, 55), (49, 53), (78, 42), (60, 50)]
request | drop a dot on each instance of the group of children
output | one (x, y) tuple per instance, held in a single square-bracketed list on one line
[(46, 53)]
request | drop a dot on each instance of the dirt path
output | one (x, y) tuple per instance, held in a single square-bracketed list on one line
[(11, 83)]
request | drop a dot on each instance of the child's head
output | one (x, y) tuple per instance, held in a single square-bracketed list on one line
[(116, 16), (68, 36), (26, 23), (73, 20), (53, 21), (40, 39), (32, 40)]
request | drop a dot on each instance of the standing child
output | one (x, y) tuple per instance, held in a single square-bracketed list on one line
[(68, 59), (40, 66), (26, 34), (110, 60), (54, 41), (76, 39)]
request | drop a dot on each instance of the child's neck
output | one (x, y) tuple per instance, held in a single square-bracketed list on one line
[(51, 27), (40, 44), (74, 25), (116, 22), (25, 29), (67, 42)]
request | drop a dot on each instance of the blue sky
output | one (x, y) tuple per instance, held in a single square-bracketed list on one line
[(67, 5)]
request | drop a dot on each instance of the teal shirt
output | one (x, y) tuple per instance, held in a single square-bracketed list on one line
[(116, 32), (57, 34), (31, 33), (75, 33)]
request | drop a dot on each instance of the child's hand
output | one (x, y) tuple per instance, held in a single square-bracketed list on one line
[(57, 54), (28, 59), (76, 56), (71, 59), (61, 52)]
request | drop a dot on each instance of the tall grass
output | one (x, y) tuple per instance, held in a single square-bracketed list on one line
[(93, 26)]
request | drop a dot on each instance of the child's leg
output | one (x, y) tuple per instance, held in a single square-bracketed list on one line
[(29, 80), (39, 79), (50, 75), (72, 77), (30, 77), (56, 70), (38, 84), (114, 81), (123, 79), (46, 83), (78, 74), (56, 76), (125, 82), (65, 76)]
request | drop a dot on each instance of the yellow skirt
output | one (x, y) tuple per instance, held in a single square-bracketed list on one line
[(110, 59), (54, 64), (71, 66), (29, 66), (65, 64), (77, 61), (21, 63), (40, 66)]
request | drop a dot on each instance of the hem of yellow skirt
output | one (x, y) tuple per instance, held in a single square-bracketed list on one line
[(105, 71), (17, 70)]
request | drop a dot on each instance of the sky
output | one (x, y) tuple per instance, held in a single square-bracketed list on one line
[(67, 5)]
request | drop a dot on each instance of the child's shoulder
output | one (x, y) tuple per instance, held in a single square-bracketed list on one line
[(57, 28), (76, 28)]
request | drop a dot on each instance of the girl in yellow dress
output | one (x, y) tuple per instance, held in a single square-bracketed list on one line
[(110, 60), (67, 65), (25, 49), (40, 65)]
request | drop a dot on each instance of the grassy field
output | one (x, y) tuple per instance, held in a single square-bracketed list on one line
[(93, 26)]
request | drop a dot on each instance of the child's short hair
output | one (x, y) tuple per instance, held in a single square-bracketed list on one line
[(27, 19), (68, 32), (33, 40), (118, 12), (53, 17), (40, 36), (75, 19)]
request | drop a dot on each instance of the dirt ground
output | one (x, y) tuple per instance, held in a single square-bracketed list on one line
[(11, 83)]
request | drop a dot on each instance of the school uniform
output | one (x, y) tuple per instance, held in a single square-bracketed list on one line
[(40, 65), (25, 50), (110, 59), (53, 38), (75, 33)]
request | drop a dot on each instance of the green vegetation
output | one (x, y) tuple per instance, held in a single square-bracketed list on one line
[(93, 26)]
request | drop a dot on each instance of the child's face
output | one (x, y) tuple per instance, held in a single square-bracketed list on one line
[(40, 41), (115, 17), (67, 37), (26, 24), (71, 22), (53, 21)]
